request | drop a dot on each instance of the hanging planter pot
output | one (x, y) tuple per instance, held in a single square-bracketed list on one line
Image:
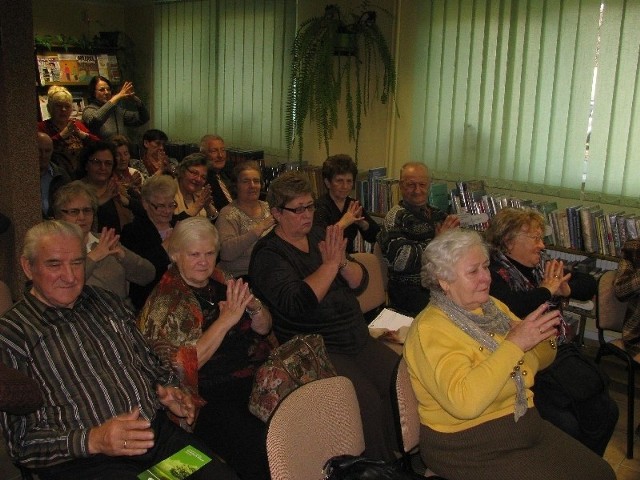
[(329, 58)]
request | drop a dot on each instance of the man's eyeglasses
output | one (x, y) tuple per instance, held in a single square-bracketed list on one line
[(162, 206), (535, 238), (104, 163), (300, 210), (197, 174), (75, 212)]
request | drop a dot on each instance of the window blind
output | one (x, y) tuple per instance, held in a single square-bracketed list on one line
[(506, 91), (221, 67)]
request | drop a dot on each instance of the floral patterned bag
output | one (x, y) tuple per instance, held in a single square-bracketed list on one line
[(294, 363)]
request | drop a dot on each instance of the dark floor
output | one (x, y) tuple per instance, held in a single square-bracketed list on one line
[(625, 468)]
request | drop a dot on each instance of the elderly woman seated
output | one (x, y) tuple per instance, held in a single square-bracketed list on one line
[(243, 221), (109, 264), (523, 281), (148, 234), (310, 285), (214, 336), (472, 364), (69, 136), (339, 174), (193, 196)]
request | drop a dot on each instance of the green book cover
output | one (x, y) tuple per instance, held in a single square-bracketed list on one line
[(178, 466)]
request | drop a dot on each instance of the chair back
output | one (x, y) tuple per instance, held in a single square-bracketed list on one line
[(406, 409), (384, 264), (374, 295), (610, 312), (313, 423)]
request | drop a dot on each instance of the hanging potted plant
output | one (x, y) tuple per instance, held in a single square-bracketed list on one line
[(331, 57)]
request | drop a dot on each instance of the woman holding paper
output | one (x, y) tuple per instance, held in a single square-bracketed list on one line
[(308, 282), (472, 364)]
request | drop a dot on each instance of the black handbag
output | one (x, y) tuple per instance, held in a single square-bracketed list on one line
[(349, 467)]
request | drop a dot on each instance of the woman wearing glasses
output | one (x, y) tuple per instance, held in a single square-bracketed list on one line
[(523, 281), (193, 196), (243, 221), (106, 114), (310, 285), (96, 164), (150, 230), (109, 265)]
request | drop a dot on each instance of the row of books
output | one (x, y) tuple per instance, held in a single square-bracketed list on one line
[(76, 68), (579, 227)]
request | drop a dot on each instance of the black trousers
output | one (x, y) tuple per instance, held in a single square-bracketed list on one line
[(169, 439)]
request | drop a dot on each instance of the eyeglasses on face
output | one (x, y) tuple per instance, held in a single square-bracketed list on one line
[(196, 174), (162, 206), (300, 210), (97, 162), (536, 238), (75, 212)]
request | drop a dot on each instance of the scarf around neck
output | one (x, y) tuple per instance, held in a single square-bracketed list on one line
[(481, 328)]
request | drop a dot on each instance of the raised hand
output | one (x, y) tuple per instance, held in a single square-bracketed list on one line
[(538, 326), (333, 247), (352, 215), (555, 279), (108, 244), (238, 297)]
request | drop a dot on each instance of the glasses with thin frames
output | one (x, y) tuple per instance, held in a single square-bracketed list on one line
[(162, 206), (75, 212), (197, 174), (535, 238), (300, 210)]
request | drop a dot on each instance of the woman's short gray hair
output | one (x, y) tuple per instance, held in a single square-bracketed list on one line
[(163, 185), (36, 234), (443, 252), (191, 230)]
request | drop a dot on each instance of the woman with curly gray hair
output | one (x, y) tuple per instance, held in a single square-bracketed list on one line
[(472, 364)]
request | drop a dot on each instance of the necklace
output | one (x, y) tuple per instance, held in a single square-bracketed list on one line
[(198, 292)]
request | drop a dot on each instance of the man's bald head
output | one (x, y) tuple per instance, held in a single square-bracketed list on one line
[(45, 150)]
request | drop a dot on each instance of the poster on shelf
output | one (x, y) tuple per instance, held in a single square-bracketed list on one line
[(69, 69), (48, 69), (87, 67)]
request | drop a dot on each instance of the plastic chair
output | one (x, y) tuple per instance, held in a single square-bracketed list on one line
[(374, 295), (313, 423), (610, 315)]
